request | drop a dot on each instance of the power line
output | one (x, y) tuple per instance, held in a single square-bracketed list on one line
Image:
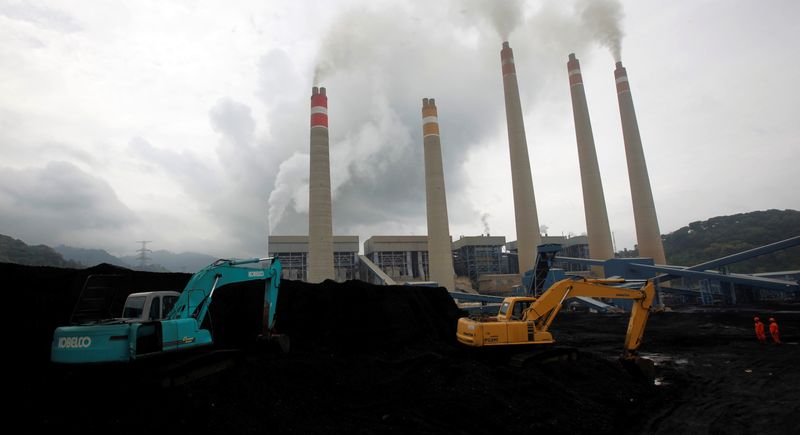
[(142, 257)]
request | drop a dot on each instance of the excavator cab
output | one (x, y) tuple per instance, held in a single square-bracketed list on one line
[(519, 308)]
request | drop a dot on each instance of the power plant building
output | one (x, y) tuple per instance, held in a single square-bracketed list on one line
[(292, 251), (474, 256), (574, 246), (403, 258)]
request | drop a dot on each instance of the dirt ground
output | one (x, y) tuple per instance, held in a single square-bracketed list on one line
[(713, 375), (383, 359)]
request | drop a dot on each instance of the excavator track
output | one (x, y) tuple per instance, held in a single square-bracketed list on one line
[(162, 371)]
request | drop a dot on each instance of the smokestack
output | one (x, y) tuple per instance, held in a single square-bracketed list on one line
[(320, 221), (648, 236), (440, 252), (524, 201), (594, 201)]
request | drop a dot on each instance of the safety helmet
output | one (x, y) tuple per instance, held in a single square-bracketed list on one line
[(771, 319), (756, 318)]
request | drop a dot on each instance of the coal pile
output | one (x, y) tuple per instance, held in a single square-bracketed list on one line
[(357, 316), (383, 359), (353, 316)]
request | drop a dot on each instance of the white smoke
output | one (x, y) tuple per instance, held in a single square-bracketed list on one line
[(376, 144), (504, 15), (291, 188), (352, 40), (603, 19)]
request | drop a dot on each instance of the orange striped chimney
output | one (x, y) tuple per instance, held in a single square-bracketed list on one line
[(525, 215), (594, 202), (440, 252), (648, 235)]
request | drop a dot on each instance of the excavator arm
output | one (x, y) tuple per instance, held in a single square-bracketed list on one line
[(544, 310)]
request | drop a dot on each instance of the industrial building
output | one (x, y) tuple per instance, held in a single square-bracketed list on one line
[(293, 254), (403, 258), (571, 246), (474, 256)]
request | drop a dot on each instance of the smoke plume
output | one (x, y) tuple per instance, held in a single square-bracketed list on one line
[(485, 222), (505, 16), (603, 19), (349, 42), (291, 188)]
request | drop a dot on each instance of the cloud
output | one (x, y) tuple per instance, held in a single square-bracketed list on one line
[(41, 16), (205, 133), (60, 202), (234, 121), (195, 176)]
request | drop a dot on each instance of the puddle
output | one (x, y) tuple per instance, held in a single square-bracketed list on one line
[(660, 358), (660, 382)]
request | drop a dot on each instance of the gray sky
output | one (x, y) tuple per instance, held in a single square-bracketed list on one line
[(186, 122)]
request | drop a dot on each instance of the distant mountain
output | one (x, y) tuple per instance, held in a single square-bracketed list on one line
[(725, 235), (189, 262), (16, 251), (89, 257)]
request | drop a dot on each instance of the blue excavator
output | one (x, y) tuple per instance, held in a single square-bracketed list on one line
[(182, 329)]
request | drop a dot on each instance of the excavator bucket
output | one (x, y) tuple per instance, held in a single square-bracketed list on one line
[(640, 368)]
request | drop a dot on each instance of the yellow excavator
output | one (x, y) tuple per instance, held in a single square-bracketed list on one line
[(526, 320)]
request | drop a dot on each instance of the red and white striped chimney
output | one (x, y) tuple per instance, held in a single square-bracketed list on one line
[(320, 220)]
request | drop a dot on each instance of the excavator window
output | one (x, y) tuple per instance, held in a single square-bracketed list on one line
[(167, 303), (519, 309), (155, 305), (134, 307)]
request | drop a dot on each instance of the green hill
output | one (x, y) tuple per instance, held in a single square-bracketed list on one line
[(724, 235), (17, 251)]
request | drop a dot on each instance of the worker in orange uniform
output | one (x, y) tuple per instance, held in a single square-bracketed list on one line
[(762, 337), (773, 330)]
